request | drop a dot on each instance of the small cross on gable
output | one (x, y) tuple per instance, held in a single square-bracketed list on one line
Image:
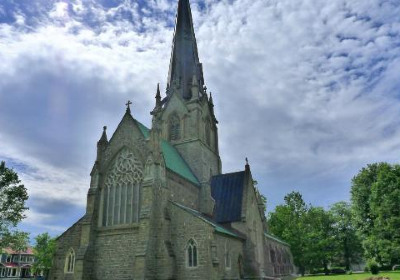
[(128, 106)]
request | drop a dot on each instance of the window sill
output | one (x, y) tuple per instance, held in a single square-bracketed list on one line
[(118, 229)]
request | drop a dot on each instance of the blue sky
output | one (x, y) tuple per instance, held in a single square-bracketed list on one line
[(308, 90)]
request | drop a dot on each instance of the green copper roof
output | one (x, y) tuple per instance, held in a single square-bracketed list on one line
[(145, 131), (217, 227), (276, 239), (173, 159), (175, 162)]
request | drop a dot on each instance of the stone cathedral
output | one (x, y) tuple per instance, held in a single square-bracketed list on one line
[(158, 206)]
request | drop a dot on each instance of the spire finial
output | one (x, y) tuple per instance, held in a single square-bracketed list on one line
[(247, 166), (158, 90), (103, 138), (128, 106), (211, 99), (158, 97)]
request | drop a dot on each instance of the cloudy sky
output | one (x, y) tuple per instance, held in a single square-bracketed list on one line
[(308, 90)]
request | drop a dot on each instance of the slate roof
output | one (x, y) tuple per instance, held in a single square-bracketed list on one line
[(227, 191), (173, 159), (217, 227)]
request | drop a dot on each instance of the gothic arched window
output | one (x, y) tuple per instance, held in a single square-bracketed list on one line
[(70, 262), (192, 253), (174, 128), (121, 190), (272, 255)]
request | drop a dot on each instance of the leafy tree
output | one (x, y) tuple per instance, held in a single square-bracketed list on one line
[(320, 235), (288, 222), (376, 203), (44, 252), (347, 242), (13, 196), (309, 230)]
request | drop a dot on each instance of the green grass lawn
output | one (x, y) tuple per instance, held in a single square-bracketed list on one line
[(393, 275)]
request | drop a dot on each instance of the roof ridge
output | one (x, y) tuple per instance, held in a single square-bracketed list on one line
[(273, 237), (229, 173)]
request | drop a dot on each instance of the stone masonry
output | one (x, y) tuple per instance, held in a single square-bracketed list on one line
[(159, 207)]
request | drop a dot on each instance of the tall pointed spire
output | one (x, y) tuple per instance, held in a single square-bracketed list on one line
[(184, 63)]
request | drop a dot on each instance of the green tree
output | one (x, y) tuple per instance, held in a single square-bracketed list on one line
[(375, 194), (347, 242), (13, 196), (44, 252), (288, 223), (309, 231), (320, 238)]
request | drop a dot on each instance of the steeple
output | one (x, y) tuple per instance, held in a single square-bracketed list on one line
[(184, 63)]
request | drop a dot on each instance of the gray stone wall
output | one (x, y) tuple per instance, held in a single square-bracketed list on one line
[(200, 158), (183, 192), (185, 226), (210, 246), (234, 247), (115, 252), (69, 239)]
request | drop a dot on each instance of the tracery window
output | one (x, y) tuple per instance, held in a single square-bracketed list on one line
[(70, 262), (192, 253), (121, 190), (174, 128)]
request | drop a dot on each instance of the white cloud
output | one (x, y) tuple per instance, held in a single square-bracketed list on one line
[(60, 11), (308, 87)]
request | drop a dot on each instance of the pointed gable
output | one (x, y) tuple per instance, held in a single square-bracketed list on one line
[(227, 191)]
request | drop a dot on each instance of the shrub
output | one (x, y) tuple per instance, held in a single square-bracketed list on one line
[(373, 267), (349, 272)]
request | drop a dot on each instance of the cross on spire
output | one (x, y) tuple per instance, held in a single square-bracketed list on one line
[(128, 106)]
